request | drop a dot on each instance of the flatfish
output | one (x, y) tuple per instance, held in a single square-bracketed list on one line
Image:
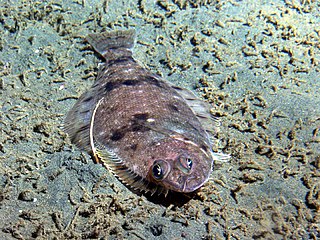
[(152, 135)]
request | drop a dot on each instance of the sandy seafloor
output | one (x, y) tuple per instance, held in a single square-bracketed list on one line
[(256, 62)]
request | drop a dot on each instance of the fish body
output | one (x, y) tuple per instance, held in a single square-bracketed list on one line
[(152, 135)]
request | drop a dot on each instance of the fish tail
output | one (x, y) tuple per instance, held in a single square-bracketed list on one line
[(112, 45)]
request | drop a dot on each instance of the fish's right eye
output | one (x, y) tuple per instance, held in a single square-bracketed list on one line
[(157, 171)]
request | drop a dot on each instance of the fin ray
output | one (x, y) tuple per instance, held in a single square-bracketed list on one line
[(112, 45), (128, 177), (77, 122), (200, 108)]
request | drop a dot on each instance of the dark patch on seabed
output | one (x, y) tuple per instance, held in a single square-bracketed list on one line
[(255, 62)]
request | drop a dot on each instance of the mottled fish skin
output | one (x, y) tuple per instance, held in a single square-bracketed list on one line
[(140, 126)]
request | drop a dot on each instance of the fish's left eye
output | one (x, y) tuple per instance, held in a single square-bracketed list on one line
[(189, 163), (185, 163)]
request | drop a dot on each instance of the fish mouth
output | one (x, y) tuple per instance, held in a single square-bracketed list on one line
[(189, 184)]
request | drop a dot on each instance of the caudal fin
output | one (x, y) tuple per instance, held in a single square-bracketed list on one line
[(112, 45)]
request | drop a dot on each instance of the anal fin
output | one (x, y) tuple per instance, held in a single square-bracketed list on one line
[(128, 177)]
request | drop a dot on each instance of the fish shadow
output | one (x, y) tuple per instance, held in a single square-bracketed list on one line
[(172, 198)]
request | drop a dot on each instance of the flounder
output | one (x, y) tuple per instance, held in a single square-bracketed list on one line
[(149, 133)]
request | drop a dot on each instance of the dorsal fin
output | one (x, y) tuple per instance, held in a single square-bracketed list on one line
[(200, 108), (77, 122)]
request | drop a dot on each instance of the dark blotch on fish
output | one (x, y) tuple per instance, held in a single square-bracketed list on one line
[(118, 134), (130, 82), (110, 86), (173, 107), (136, 127), (134, 147), (119, 61), (141, 116)]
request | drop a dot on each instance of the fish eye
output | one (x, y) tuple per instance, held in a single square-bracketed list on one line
[(157, 171), (189, 163), (160, 170), (186, 163)]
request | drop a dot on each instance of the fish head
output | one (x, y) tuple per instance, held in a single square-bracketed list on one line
[(183, 167)]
